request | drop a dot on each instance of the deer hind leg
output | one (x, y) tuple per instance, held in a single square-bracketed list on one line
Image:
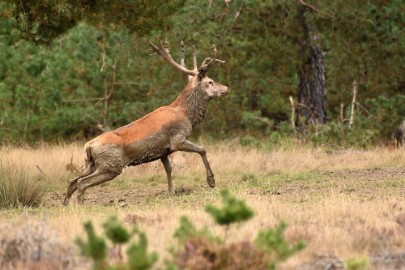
[(88, 170), (71, 189), (74, 183), (94, 179), (188, 146), (168, 168)]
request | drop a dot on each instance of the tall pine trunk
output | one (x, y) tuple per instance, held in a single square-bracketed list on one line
[(311, 89)]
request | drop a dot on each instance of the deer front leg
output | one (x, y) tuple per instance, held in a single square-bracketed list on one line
[(168, 168), (188, 146)]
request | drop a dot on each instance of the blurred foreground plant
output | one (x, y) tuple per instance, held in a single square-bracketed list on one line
[(197, 248), (96, 247), (200, 249)]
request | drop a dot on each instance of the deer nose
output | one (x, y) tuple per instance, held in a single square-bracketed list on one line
[(224, 92)]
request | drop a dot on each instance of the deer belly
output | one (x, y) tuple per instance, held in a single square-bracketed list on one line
[(147, 150)]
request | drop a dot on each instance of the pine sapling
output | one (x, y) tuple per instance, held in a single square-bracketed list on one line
[(273, 242), (117, 233), (138, 257), (188, 230), (95, 247), (233, 210)]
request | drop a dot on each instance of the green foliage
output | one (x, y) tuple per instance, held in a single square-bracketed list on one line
[(187, 230), (17, 189), (199, 248), (35, 21), (233, 210), (55, 92), (95, 247), (115, 231), (386, 114), (248, 140), (274, 243), (357, 263), (254, 120), (138, 257)]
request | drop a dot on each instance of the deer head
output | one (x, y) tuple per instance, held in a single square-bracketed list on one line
[(197, 76)]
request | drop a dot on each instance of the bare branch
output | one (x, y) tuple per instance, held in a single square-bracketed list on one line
[(293, 114), (40, 170), (341, 112), (364, 109), (311, 7), (127, 83), (103, 45), (353, 103), (84, 100)]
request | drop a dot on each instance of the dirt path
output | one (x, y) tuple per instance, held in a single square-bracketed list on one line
[(361, 182)]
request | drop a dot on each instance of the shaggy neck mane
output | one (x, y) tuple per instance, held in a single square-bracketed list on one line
[(194, 102)]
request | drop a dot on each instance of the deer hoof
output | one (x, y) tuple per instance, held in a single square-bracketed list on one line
[(65, 202), (211, 181)]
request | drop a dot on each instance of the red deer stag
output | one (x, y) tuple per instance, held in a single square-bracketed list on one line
[(156, 135)]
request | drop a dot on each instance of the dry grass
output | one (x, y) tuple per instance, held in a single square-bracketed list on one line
[(17, 188), (346, 204), (226, 158)]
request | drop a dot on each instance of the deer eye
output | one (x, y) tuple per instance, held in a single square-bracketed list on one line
[(211, 83)]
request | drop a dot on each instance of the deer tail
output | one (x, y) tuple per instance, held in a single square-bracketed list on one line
[(89, 167)]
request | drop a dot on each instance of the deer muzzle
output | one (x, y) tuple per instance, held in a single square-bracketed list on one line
[(223, 91)]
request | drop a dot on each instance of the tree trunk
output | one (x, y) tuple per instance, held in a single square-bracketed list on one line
[(311, 89)]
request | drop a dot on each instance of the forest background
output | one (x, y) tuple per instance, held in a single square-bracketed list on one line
[(92, 76)]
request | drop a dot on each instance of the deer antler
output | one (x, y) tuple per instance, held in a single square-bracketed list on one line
[(210, 61), (183, 55), (163, 50)]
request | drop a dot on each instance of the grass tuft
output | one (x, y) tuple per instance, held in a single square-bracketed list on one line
[(18, 189)]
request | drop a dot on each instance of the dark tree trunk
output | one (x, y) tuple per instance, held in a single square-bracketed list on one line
[(311, 89)]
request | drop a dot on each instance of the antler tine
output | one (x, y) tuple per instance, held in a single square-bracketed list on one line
[(182, 54), (163, 50), (210, 61), (213, 51), (166, 45), (195, 67)]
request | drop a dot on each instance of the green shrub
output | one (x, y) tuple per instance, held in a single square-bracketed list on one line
[(199, 251), (116, 232), (233, 210), (96, 247), (197, 248), (188, 230), (273, 242), (17, 189), (138, 257)]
